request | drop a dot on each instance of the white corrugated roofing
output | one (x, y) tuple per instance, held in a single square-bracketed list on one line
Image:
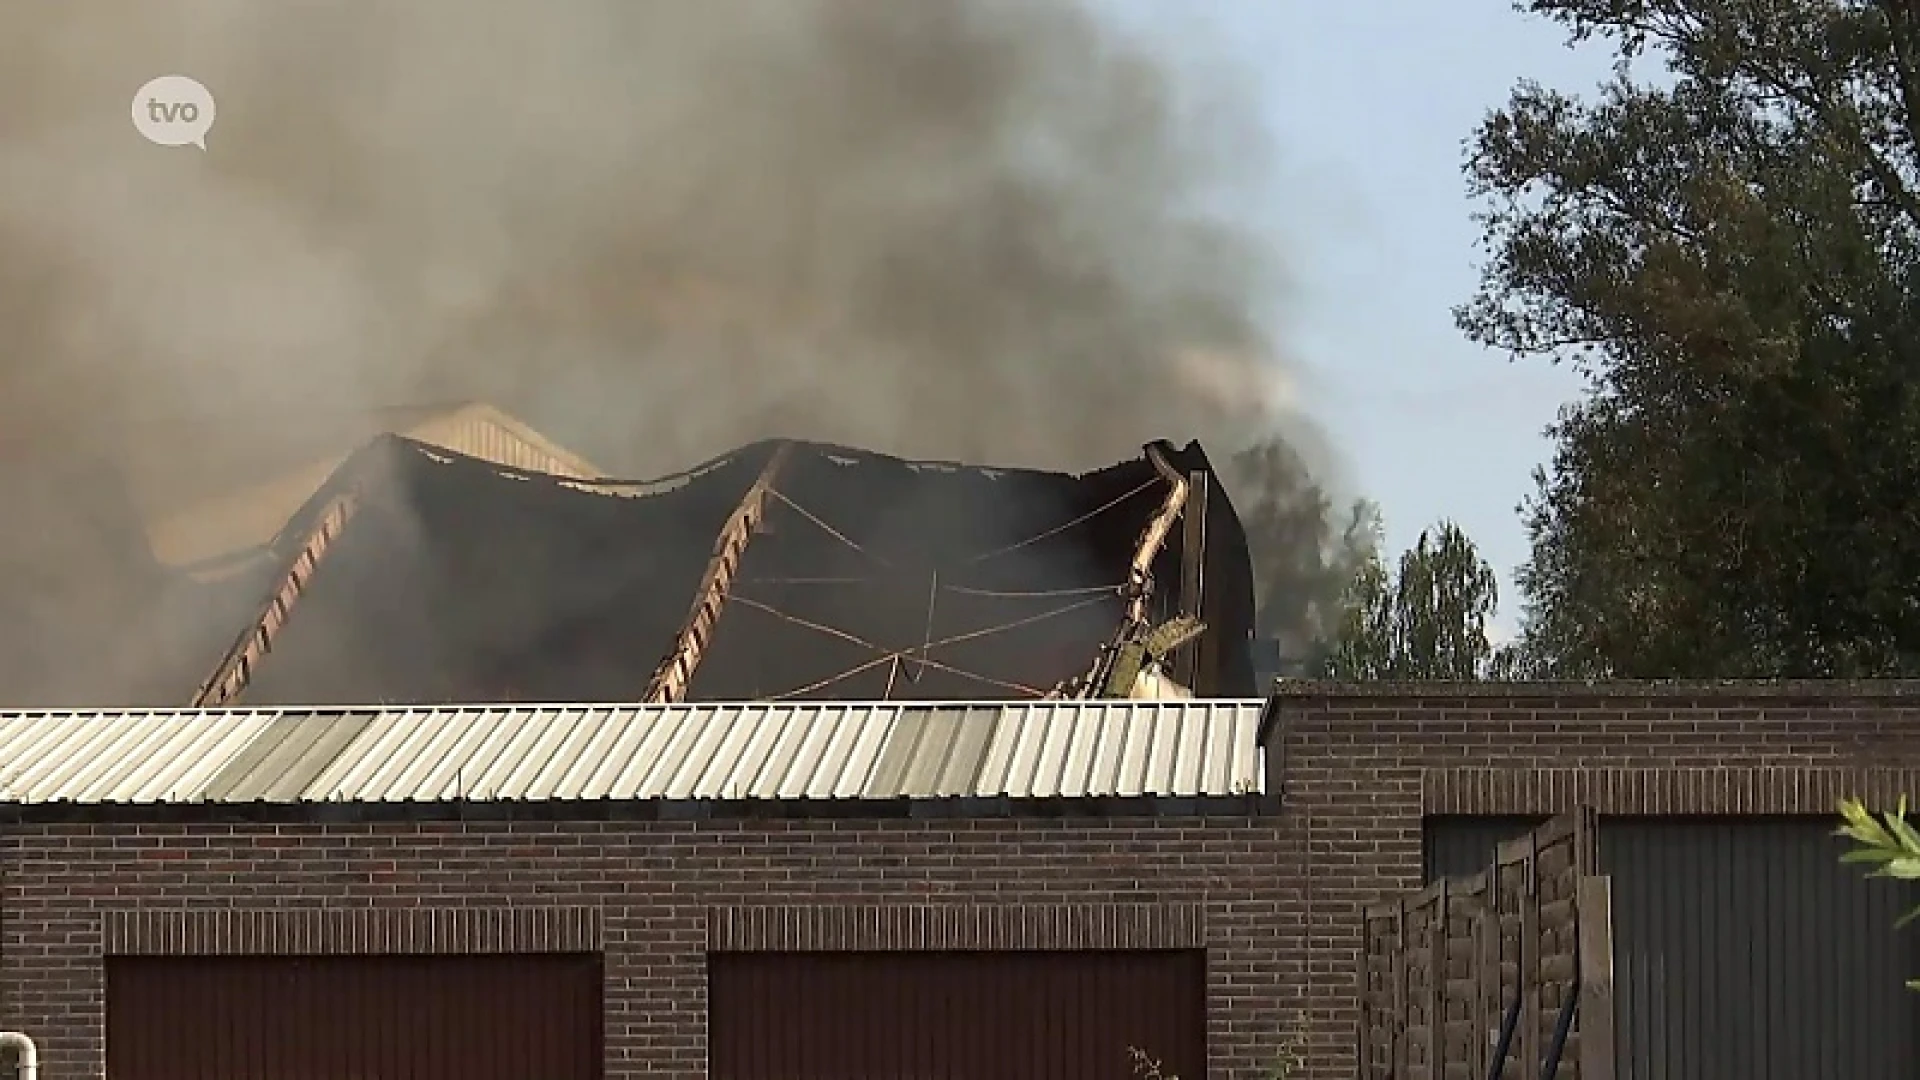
[(624, 752)]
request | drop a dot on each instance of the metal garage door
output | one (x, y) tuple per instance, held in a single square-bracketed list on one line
[(955, 1016), (1744, 950), (353, 1017)]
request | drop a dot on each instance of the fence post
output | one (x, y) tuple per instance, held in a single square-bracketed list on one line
[(1529, 973), (1485, 1013), (1399, 1030), (1594, 908), (1437, 990)]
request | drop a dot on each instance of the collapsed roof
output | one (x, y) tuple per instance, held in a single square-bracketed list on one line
[(780, 571)]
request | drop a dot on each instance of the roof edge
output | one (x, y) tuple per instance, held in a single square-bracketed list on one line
[(814, 705), (684, 811), (1599, 690)]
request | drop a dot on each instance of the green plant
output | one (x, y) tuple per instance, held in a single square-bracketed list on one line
[(1288, 1060), (1146, 1066), (1886, 842)]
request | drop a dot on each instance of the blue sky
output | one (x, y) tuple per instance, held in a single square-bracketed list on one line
[(1369, 104)]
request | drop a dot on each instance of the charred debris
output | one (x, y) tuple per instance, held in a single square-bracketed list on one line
[(783, 570)]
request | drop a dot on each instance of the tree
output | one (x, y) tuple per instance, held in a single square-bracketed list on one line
[(1729, 257), (1425, 620), (1304, 552)]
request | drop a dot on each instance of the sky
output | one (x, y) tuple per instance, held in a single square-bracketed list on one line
[(1370, 106)]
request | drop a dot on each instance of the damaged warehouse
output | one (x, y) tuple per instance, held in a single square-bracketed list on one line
[(783, 659), (421, 575)]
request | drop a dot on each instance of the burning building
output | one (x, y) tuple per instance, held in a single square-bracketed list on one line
[(780, 571)]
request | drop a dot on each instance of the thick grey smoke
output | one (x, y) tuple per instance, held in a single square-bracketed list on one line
[(950, 228), (974, 229)]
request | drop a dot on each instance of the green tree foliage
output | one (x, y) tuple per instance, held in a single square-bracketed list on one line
[(1426, 619), (1304, 551), (1728, 254), (1886, 842)]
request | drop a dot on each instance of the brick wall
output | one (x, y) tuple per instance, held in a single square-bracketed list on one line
[(657, 886), (1365, 764), (1274, 899)]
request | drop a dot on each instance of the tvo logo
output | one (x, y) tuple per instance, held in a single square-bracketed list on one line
[(174, 110)]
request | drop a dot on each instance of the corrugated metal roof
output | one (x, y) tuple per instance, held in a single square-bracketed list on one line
[(623, 752)]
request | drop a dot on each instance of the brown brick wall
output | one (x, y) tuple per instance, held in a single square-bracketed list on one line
[(1275, 899)]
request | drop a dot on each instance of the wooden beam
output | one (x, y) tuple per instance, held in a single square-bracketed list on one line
[(235, 670), (1154, 537), (1193, 571), (1139, 583), (670, 679)]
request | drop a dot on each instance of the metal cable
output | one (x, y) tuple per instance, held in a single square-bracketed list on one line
[(828, 529), (1025, 594), (962, 590), (886, 655), (955, 639), (1058, 529)]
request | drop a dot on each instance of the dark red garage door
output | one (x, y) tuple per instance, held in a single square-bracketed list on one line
[(954, 1016), (354, 1018)]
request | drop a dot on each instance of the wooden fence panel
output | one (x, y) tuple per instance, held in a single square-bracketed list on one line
[(1513, 917), (1380, 992), (1443, 966), (1463, 992), (1420, 1028)]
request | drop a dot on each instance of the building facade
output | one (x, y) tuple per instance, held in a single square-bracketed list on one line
[(1183, 883)]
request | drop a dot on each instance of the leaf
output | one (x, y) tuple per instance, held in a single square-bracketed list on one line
[(1888, 844), (1904, 834)]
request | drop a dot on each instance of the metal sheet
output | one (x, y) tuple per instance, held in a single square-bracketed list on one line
[(280, 762), (935, 750), (433, 1017), (120, 757), (238, 519), (955, 1016), (823, 750), (1082, 748), (484, 432)]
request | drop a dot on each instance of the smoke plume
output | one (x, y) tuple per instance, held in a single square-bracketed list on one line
[(984, 230)]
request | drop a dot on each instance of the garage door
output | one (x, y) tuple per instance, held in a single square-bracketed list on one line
[(353, 1018), (1743, 949), (954, 1016)]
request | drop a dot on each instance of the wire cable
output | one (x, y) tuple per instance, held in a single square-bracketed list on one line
[(961, 590), (886, 655), (828, 529), (869, 665), (1033, 594), (1058, 529)]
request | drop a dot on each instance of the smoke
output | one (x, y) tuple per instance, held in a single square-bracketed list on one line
[(976, 230), (984, 230)]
